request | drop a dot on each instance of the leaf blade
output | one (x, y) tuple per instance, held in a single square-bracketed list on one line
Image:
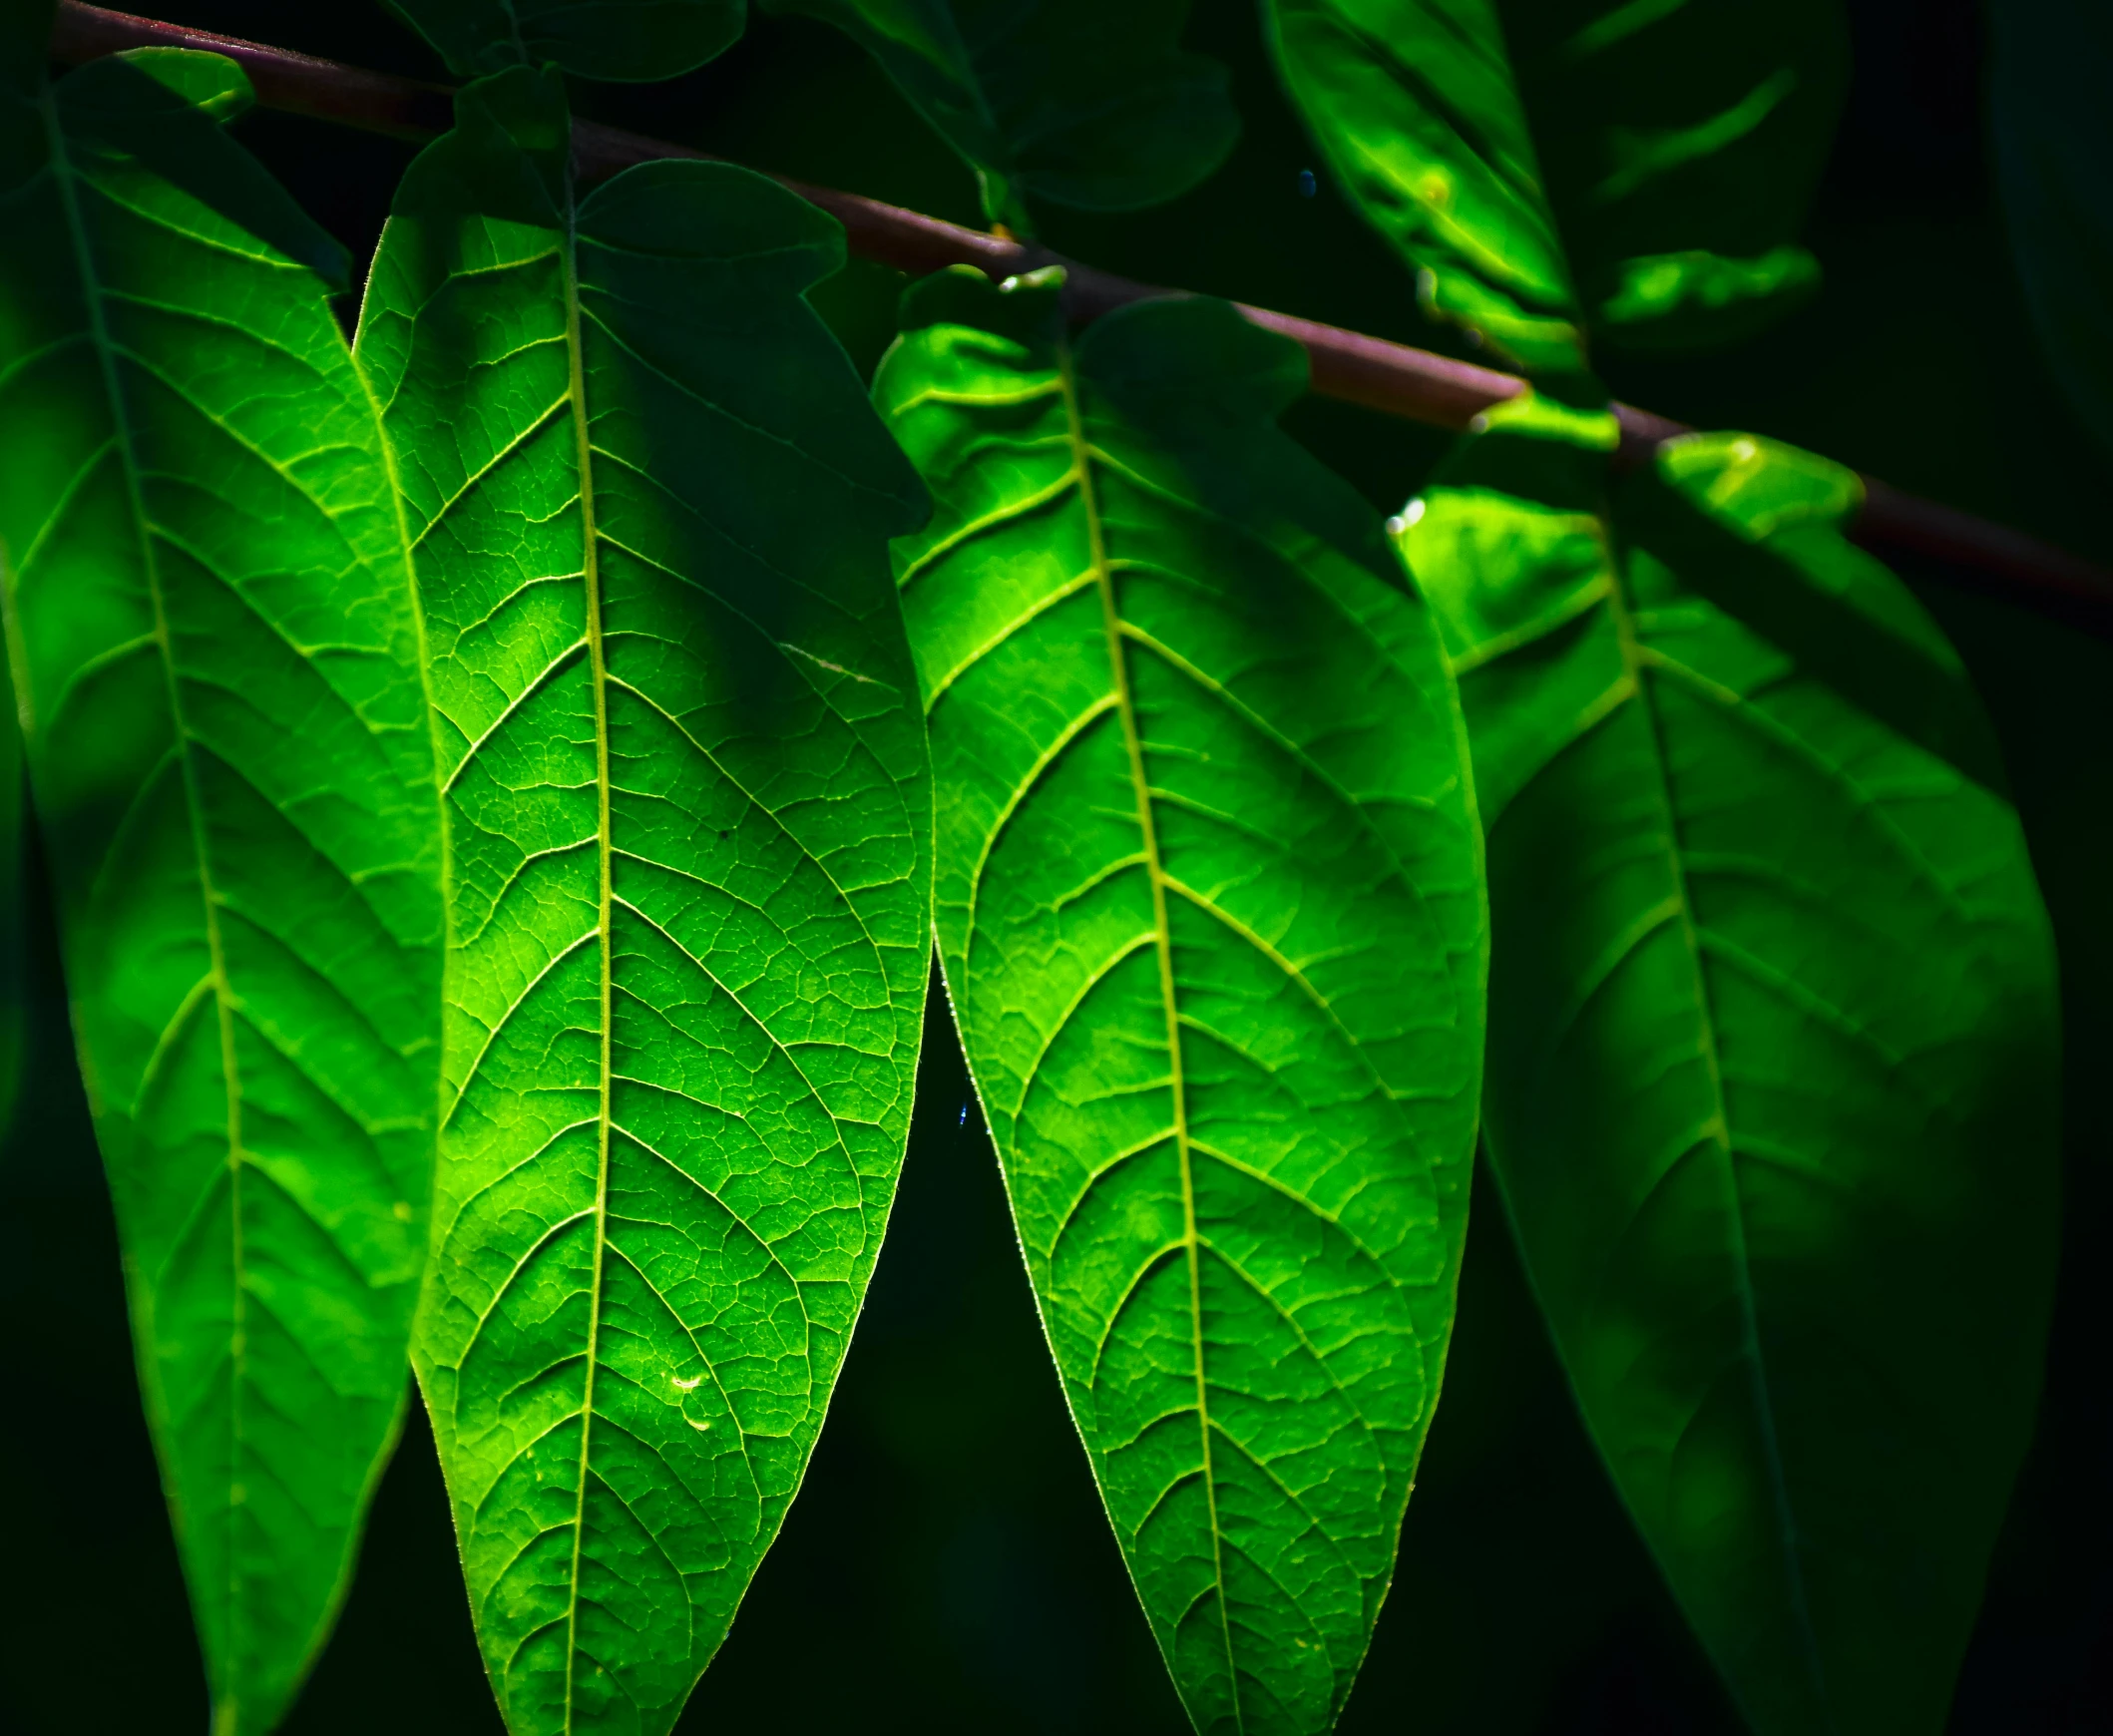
[(210, 622), (690, 803), (1176, 1023), (1772, 1031)]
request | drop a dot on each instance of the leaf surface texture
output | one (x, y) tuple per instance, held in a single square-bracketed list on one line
[(213, 635), (689, 824), (1210, 909), (1771, 1087)]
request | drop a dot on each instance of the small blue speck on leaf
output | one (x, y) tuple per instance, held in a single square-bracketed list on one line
[(1308, 187)]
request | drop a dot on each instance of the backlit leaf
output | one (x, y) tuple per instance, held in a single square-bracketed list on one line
[(1637, 170), (1772, 1041), (1210, 908), (628, 41), (210, 625), (1415, 104), (1087, 103), (689, 824)]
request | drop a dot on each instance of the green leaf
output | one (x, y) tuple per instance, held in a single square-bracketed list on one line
[(210, 82), (1210, 906), (625, 41), (1413, 104), (1772, 1040), (1635, 169), (1683, 141), (689, 816), (2053, 134), (1086, 103), (215, 646)]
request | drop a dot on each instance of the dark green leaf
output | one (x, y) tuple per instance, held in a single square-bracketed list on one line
[(1682, 143), (690, 820), (211, 628), (2053, 133), (1773, 1038), (1210, 906), (628, 41), (1637, 169), (1087, 103)]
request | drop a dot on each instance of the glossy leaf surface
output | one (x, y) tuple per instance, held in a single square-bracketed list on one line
[(2052, 130), (1548, 167), (1210, 908), (211, 624), (1088, 103), (1773, 1042), (689, 819), (627, 41)]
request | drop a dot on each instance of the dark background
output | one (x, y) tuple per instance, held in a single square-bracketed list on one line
[(947, 1568)]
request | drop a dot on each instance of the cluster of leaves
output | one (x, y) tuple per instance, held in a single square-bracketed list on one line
[(505, 777)]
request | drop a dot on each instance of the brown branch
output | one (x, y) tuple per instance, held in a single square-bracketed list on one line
[(1390, 377), (296, 83)]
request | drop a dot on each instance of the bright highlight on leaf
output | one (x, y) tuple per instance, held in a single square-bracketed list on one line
[(1210, 906), (689, 824), (210, 625), (1087, 103), (1414, 105), (1773, 1041)]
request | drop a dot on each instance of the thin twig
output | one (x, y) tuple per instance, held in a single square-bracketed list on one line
[(1390, 377)]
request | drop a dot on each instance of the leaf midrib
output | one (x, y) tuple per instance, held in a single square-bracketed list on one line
[(597, 673), (1156, 875), (1634, 658), (227, 1710)]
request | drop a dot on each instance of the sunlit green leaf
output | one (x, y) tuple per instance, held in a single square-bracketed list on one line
[(1414, 105), (210, 625), (2053, 137), (1210, 908), (690, 845), (1635, 169), (624, 39), (1088, 103), (1772, 1041)]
